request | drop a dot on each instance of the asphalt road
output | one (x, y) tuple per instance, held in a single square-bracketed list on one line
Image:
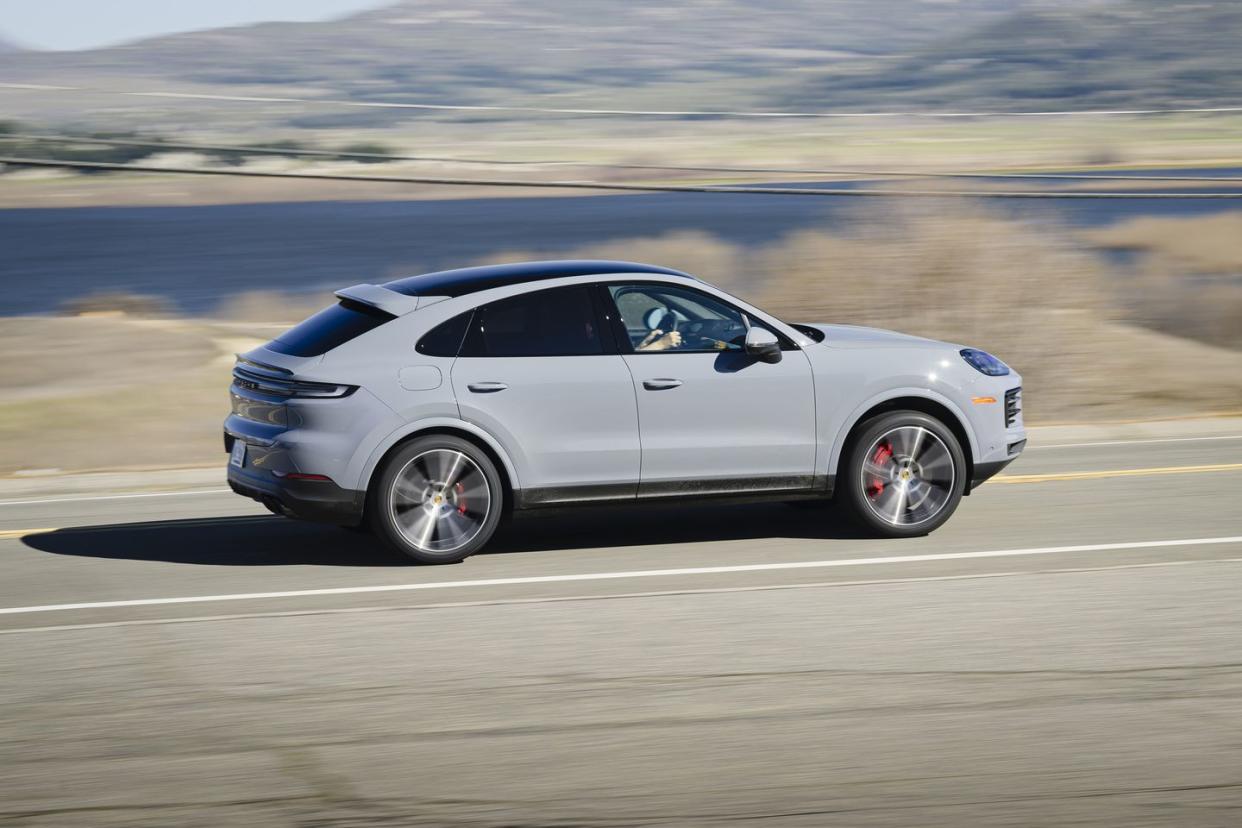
[(1068, 649)]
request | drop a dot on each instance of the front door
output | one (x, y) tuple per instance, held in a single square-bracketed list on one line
[(712, 418)]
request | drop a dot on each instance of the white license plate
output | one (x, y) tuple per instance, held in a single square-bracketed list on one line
[(238, 457)]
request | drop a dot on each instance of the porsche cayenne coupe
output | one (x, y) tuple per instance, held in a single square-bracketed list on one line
[(428, 408)]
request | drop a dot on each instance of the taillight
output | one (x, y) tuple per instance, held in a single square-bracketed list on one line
[(250, 380), (301, 388)]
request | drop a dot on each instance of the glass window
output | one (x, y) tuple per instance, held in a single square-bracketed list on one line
[(444, 340), (556, 322), (329, 328), (660, 317)]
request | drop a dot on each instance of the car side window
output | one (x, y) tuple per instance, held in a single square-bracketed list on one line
[(444, 340), (659, 318), (554, 322)]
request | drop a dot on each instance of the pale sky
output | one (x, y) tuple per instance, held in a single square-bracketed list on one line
[(84, 24)]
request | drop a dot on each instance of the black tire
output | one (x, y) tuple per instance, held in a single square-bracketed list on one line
[(386, 502), (856, 486)]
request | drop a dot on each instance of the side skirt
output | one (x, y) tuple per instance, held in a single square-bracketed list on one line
[(748, 489)]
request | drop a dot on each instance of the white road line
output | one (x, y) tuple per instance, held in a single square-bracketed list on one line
[(1134, 442), (71, 499), (611, 576), (614, 596)]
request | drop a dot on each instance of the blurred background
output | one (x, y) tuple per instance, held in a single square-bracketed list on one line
[(1112, 308), (1057, 181)]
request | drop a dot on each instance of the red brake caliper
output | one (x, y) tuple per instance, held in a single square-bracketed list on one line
[(881, 457), (461, 501)]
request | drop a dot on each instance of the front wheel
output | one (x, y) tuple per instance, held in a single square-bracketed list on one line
[(904, 475), (438, 499)]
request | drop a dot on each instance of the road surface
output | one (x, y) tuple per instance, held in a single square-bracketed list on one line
[(1067, 650)]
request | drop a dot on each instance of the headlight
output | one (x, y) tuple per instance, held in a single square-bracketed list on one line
[(984, 363)]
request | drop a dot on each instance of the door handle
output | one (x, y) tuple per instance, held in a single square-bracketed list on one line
[(486, 387), (661, 384)]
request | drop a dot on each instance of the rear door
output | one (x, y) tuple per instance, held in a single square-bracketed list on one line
[(713, 419), (537, 372)]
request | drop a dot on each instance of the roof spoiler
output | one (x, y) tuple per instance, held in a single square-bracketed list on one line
[(385, 299)]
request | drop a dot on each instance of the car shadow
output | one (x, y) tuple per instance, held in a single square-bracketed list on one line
[(274, 541)]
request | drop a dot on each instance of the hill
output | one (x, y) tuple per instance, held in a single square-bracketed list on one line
[(578, 52), (699, 54), (1125, 54)]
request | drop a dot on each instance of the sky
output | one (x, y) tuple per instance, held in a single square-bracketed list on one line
[(85, 24)]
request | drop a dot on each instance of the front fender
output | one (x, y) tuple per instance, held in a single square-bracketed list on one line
[(861, 410)]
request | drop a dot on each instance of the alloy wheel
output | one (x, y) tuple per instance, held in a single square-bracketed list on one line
[(440, 500), (907, 476)]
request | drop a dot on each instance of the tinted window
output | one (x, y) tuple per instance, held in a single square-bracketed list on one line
[(445, 339), (329, 328), (661, 318), (557, 322)]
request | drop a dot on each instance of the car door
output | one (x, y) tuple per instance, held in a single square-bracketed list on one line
[(712, 418), (536, 371)]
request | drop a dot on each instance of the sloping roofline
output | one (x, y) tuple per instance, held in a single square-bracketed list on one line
[(465, 280)]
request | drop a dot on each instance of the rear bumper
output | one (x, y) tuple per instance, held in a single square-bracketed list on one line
[(319, 501)]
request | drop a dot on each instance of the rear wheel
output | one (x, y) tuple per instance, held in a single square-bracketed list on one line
[(438, 499), (904, 475)]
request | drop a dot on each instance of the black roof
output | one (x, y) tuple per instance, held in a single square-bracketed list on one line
[(465, 280)]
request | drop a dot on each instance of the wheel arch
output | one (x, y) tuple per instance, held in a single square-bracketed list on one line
[(935, 406), (453, 428)]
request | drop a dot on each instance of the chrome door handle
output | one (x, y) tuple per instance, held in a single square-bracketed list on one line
[(486, 387), (661, 384)]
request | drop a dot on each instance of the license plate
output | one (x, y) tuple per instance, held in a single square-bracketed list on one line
[(238, 457)]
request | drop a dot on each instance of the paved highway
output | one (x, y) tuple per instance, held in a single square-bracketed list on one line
[(1068, 649)]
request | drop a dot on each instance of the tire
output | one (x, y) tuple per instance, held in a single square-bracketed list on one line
[(437, 500), (903, 476)]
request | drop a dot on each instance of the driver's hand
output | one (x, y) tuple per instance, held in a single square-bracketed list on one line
[(668, 341), (658, 340)]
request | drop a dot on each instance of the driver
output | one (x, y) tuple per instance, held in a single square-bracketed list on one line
[(664, 336)]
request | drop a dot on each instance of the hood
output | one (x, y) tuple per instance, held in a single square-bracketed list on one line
[(856, 336)]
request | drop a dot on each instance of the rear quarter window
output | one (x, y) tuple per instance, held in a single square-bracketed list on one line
[(445, 339), (328, 329)]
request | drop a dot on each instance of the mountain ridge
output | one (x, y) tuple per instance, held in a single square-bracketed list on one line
[(698, 55)]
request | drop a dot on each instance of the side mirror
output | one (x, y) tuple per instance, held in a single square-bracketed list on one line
[(763, 345)]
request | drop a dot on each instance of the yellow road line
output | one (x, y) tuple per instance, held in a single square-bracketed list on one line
[(1096, 475), (9, 534)]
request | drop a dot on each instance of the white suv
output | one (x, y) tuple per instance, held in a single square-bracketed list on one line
[(427, 408)]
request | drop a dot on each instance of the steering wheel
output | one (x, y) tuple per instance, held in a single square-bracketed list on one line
[(661, 319)]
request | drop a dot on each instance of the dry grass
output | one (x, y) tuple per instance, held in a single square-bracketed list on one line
[(113, 392), (1187, 279), (1208, 244), (271, 306)]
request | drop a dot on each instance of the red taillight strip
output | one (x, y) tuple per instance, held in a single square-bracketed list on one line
[(314, 478)]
